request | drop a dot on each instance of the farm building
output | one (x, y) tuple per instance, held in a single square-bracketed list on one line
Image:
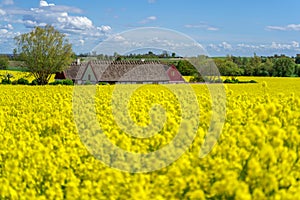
[(121, 72)]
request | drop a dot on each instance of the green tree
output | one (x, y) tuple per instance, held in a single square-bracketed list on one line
[(4, 62), (45, 51), (228, 68), (265, 68), (284, 66), (186, 68)]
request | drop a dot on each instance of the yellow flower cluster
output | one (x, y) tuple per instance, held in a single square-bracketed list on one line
[(42, 155), (18, 74)]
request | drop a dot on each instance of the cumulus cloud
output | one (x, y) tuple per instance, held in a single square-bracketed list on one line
[(290, 27), (62, 19), (80, 30), (46, 4)]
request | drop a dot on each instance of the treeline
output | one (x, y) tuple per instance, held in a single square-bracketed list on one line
[(116, 56), (232, 66), (279, 66)]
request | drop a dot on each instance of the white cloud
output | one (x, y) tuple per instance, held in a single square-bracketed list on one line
[(202, 26), (104, 28), (52, 14), (279, 46), (3, 31), (45, 4), (290, 27), (9, 26), (152, 18), (149, 19), (225, 45), (81, 41), (79, 29), (117, 38), (2, 12), (295, 44), (288, 48), (7, 2)]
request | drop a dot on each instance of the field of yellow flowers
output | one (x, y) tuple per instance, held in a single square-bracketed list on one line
[(43, 156), (19, 74)]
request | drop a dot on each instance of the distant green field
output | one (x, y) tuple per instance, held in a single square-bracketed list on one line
[(16, 66)]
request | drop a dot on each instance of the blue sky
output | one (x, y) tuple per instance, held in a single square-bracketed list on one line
[(221, 27)]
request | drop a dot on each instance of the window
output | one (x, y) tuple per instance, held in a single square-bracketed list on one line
[(172, 73), (89, 77)]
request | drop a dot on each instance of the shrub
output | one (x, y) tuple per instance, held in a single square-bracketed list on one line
[(57, 82), (252, 81), (6, 81), (103, 83), (34, 82), (67, 82), (22, 81), (4, 62), (62, 82)]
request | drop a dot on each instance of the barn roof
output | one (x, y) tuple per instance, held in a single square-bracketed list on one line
[(125, 71)]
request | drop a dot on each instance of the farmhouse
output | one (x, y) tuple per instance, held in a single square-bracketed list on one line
[(121, 72)]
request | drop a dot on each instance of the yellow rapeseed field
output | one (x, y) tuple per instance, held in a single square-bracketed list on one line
[(18, 74), (43, 156)]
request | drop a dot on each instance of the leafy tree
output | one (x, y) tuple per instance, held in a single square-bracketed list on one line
[(228, 68), (186, 68), (284, 66), (297, 60), (265, 68), (4, 62), (45, 51), (297, 70)]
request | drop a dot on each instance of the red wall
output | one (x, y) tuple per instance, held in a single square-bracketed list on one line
[(174, 74)]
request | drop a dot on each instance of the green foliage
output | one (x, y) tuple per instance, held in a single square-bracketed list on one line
[(283, 67), (297, 60), (103, 83), (4, 62), (6, 79), (45, 51), (196, 79), (228, 68), (22, 81), (62, 82), (235, 80), (297, 70), (34, 82), (186, 68)]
